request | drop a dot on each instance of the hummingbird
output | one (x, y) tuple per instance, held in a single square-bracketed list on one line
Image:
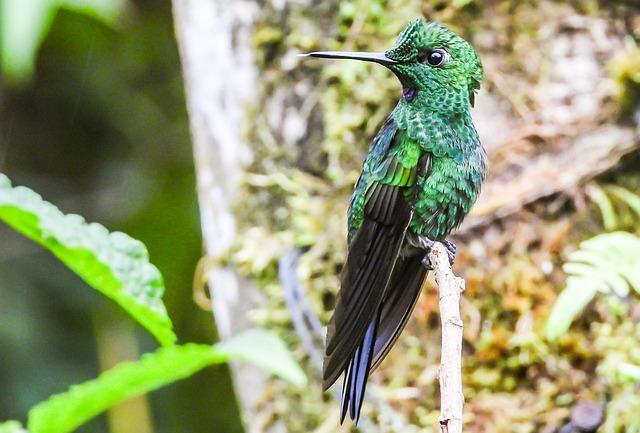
[(421, 176)]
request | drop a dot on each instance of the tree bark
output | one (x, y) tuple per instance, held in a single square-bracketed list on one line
[(214, 39)]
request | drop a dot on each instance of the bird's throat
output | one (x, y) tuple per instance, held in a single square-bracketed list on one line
[(409, 93)]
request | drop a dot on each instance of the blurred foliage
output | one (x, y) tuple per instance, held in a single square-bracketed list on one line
[(102, 131), (25, 23), (11, 427), (118, 266), (625, 69), (608, 263), (120, 92)]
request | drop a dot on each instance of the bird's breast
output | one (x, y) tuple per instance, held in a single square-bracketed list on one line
[(445, 196)]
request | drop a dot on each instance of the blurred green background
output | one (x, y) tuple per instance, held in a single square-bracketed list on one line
[(96, 122)]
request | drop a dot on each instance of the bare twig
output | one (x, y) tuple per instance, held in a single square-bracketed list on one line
[(450, 287)]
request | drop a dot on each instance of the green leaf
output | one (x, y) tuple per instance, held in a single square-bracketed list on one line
[(614, 259), (107, 11), (113, 263), (11, 427), (461, 3), (629, 198), (609, 263), (266, 350), (65, 412), (25, 23), (600, 198), (573, 299)]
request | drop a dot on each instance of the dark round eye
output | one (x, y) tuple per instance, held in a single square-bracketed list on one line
[(435, 58)]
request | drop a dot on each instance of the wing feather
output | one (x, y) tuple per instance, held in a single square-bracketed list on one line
[(373, 252), (400, 300)]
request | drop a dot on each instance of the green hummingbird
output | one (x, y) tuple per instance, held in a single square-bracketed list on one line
[(421, 176)]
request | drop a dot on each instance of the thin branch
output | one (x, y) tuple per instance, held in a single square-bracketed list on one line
[(305, 322), (450, 287)]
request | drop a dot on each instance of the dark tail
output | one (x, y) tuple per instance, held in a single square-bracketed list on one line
[(382, 333), (356, 375)]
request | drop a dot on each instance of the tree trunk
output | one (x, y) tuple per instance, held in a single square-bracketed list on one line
[(214, 39)]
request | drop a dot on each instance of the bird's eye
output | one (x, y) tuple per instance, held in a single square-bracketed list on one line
[(435, 58)]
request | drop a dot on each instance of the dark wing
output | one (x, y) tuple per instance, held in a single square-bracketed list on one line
[(373, 251), (379, 149), (402, 292), (400, 299)]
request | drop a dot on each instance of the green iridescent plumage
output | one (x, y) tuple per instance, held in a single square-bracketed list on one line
[(421, 177), (436, 121)]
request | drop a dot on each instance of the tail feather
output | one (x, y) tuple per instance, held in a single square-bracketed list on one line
[(346, 393), (356, 375), (382, 332)]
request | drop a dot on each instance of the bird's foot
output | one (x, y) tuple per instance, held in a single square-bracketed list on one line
[(427, 244)]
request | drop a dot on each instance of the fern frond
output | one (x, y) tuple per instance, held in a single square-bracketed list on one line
[(631, 199), (608, 263), (602, 200)]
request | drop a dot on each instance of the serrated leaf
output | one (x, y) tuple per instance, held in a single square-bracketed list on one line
[(113, 263), (264, 349), (581, 270), (65, 412), (11, 427), (586, 258)]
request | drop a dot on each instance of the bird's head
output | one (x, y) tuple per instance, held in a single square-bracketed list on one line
[(436, 67)]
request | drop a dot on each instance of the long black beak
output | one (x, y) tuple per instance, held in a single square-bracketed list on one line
[(380, 58)]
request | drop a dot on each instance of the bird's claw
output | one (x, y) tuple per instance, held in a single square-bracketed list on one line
[(451, 250), (428, 244)]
